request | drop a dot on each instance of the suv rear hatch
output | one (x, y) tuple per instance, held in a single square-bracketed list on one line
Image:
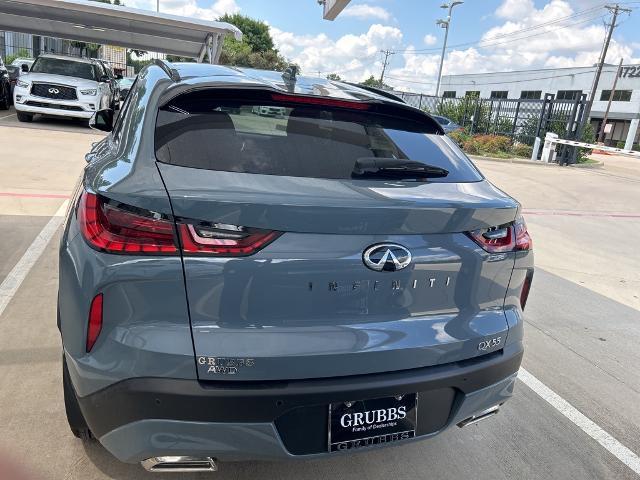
[(331, 239)]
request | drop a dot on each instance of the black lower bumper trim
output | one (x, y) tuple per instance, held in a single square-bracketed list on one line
[(262, 402)]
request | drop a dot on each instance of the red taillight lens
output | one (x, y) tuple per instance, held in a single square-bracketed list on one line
[(224, 240), (114, 230), (95, 321), (320, 101), (523, 239), (505, 238)]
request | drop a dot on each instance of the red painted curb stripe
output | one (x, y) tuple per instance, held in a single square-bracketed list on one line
[(570, 213), (33, 195)]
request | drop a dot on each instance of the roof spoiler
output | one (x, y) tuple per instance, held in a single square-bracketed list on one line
[(378, 91), (171, 72)]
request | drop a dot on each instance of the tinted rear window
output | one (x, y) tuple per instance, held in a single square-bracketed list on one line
[(265, 137)]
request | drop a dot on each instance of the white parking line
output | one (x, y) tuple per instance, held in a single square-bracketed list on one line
[(19, 272), (7, 116), (622, 453)]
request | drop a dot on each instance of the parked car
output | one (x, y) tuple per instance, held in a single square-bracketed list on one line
[(5, 87), (125, 84), (63, 86), (231, 289), (113, 82), (447, 124), (18, 62), (14, 73), (269, 111)]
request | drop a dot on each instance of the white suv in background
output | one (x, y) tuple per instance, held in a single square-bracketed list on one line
[(63, 86)]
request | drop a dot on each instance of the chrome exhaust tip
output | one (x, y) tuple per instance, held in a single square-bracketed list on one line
[(179, 464), (478, 417)]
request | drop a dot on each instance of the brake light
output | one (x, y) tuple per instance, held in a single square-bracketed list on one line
[(95, 321), (224, 240), (322, 101), (115, 230), (505, 238)]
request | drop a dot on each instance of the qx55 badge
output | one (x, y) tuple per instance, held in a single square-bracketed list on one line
[(386, 257)]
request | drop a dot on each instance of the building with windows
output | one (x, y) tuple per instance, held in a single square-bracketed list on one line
[(564, 83)]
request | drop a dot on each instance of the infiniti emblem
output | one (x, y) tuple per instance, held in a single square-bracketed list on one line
[(386, 257), (55, 91)]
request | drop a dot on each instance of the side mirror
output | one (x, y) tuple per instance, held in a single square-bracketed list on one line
[(118, 76), (102, 120), (24, 67), (104, 79)]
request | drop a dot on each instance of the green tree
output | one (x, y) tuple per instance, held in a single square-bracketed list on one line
[(376, 83), (254, 32), (256, 49), (335, 77)]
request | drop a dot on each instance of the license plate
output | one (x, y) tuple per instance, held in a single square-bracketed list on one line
[(372, 422)]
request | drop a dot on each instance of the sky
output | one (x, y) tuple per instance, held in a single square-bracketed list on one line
[(485, 35)]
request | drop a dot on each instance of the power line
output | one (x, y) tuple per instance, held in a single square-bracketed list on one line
[(516, 32), (484, 44)]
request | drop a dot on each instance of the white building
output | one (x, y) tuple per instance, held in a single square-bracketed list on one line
[(564, 83)]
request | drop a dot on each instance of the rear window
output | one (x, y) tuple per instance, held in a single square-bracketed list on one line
[(261, 136)]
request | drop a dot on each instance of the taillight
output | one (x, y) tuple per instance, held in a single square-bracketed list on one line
[(112, 229), (94, 326), (504, 238), (223, 240), (116, 228)]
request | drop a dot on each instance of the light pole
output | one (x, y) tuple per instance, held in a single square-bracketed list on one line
[(445, 24)]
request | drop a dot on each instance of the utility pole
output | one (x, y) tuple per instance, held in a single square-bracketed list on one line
[(445, 24), (615, 11), (611, 94), (384, 65)]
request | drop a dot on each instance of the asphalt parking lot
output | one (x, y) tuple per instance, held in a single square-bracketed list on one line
[(575, 414)]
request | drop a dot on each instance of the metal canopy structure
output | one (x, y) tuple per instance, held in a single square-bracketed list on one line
[(107, 24), (332, 8)]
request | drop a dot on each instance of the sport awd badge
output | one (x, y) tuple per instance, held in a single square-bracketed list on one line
[(386, 257)]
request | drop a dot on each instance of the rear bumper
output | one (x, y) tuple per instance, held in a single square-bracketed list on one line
[(141, 418)]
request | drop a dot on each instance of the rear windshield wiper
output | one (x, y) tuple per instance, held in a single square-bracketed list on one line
[(395, 169)]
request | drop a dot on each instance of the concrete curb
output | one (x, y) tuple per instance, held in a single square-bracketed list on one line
[(524, 161)]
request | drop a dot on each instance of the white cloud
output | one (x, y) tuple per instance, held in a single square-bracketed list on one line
[(353, 57), (429, 39), (364, 11), (188, 8), (513, 9)]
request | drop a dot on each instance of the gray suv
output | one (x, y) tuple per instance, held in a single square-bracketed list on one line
[(236, 286)]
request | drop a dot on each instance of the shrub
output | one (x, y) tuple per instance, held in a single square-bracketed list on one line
[(22, 53), (522, 150), (471, 146), (460, 137), (588, 136), (493, 143)]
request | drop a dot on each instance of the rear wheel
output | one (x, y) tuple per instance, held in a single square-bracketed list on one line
[(76, 420), (25, 117)]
